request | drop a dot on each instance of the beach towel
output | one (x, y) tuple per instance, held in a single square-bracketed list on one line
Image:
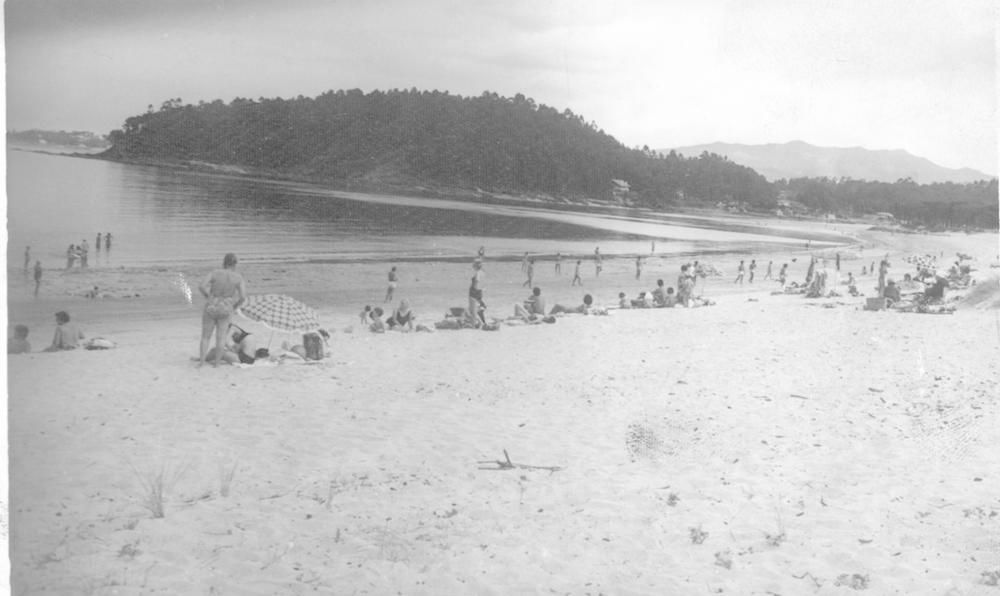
[(99, 343)]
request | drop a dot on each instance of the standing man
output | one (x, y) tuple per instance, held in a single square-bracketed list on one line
[(558, 263), (576, 275), (27, 258), (638, 267), (84, 249), (38, 276), (883, 270), (768, 274), (753, 268), (783, 275), (97, 245), (739, 273), (838, 261), (524, 263), (391, 290), (107, 241)]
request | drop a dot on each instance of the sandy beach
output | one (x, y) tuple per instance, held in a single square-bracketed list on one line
[(769, 444)]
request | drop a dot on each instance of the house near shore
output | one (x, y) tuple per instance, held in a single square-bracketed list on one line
[(619, 190)]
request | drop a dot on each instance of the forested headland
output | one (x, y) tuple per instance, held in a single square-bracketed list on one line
[(409, 138)]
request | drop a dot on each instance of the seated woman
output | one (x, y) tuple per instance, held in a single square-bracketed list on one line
[(240, 351), (586, 308), (402, 317), (67, 336), (623, 302)]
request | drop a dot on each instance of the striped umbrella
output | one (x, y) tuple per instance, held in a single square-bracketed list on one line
[(280, 312)]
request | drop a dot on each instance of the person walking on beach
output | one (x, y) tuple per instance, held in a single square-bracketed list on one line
[(753, 268), (393, 279), (767, 275), (531, 274), (27, 258), (476, 305), (224, 290), (84, 249), (783, 275), (70, 256), (97, 245), (739, 273), (107, 241), (524, 263), (558, 263), (638, 267), (38, 276), (482, 252), (576, 275), (883, 270)]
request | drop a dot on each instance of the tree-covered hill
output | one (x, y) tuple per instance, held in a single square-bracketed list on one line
[(409, 139), (488, 142)]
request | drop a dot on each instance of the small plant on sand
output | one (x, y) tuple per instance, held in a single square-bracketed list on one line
[(156, 485), (724, 559), (226, 473), (697, 535), (990, 578)]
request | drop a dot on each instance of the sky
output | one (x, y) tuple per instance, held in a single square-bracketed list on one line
[(916, 75)]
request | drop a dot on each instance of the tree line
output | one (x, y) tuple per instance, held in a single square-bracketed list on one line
[(411, 137)]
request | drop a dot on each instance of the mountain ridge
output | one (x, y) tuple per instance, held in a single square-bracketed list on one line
[(799, 159)]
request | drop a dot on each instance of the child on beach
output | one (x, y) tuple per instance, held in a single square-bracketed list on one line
[(739, 273), (19, 343), (365, 313), (623, 301), (753, 268), (67, 335), (375, 316)]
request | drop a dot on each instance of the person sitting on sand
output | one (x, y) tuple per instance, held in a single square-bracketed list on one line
[(242, 350), (375, 320), (659, 295), (67, 335), (640, 301), (623, 302), (891, 293), (224, 290), (936, 291), (402, 317), (671, 299), (586, 308), (19, 343), (533, 306)]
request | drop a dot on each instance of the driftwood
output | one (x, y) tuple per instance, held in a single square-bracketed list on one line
[(506, 464)]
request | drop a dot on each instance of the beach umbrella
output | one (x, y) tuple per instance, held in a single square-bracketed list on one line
[(280, 312)]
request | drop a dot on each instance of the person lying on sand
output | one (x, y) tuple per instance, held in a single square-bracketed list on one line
[(533, 306), (587, 308), (402, 317), (67, 335)]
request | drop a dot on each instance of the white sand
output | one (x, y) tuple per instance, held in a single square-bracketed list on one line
[(773, 446)]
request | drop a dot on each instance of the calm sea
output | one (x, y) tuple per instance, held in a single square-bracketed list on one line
[(164, 216)]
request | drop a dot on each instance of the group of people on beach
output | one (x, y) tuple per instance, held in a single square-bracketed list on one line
[(67, 337)]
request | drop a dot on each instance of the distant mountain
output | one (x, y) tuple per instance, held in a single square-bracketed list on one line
[(798, 159), (75, 138)]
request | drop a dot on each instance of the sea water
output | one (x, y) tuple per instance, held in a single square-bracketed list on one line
[(168, 216)]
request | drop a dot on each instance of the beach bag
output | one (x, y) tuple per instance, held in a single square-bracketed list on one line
[(313, 344)]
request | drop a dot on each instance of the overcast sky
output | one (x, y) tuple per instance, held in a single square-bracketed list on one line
[(883, 74)]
